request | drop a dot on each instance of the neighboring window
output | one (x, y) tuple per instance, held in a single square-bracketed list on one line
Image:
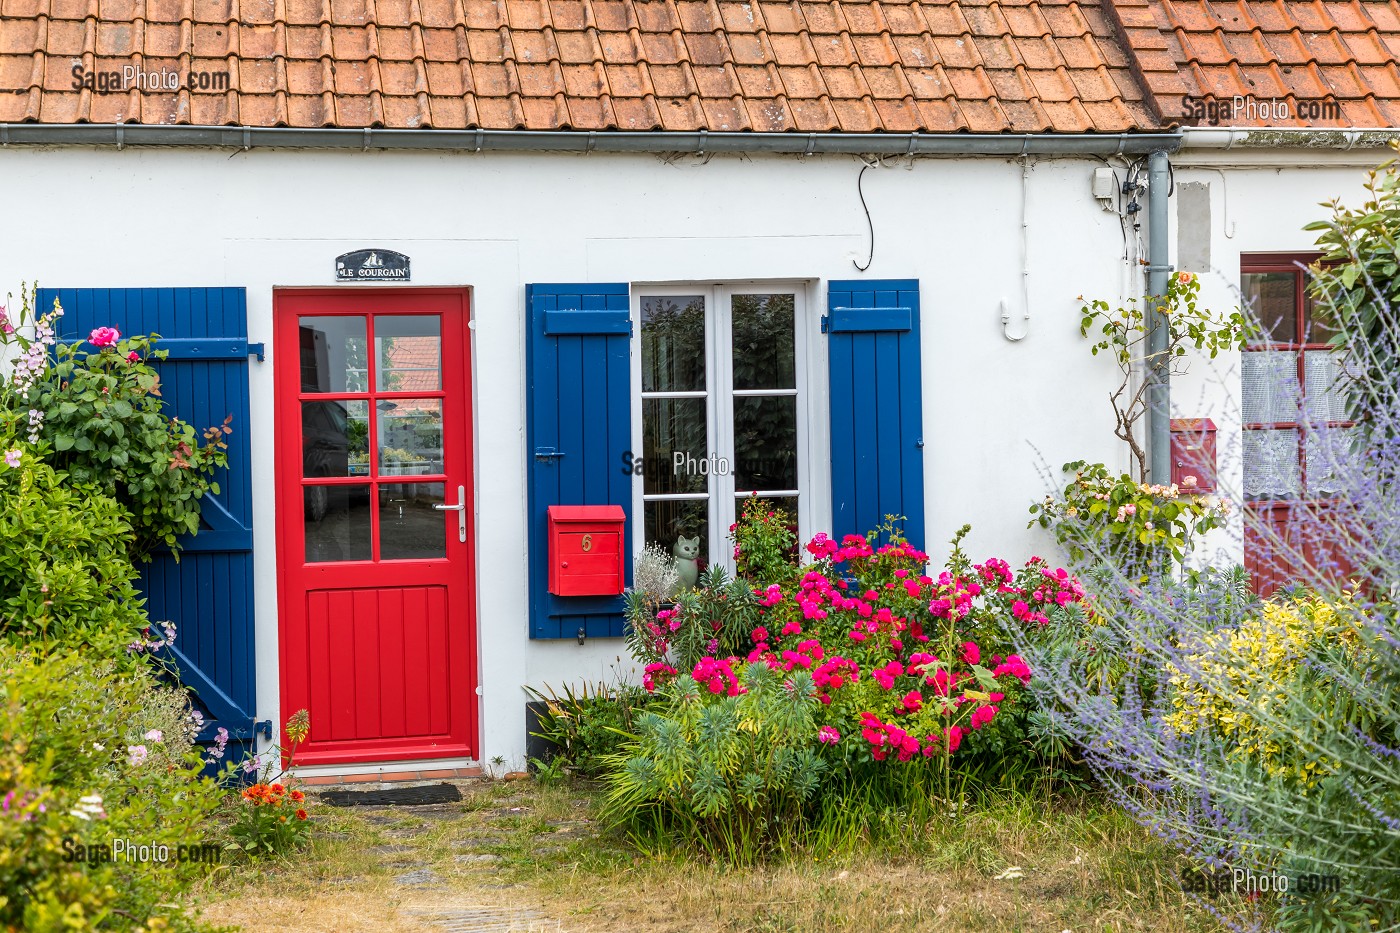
[(1289, 378), (721, 411)]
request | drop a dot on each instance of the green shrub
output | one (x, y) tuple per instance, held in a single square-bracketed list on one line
[(588, 725), (105, 422), (765, 544), (92, 756), (65, 570)]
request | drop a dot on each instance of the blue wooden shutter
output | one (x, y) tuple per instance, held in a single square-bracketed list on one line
[(208, 594), (876, 406), (579, 423)]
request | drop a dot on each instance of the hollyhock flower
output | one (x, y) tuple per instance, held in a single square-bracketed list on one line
[(828, 735), (104, 337)]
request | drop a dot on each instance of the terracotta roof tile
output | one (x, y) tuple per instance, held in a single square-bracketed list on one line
[(1296, 51), (763, 65)]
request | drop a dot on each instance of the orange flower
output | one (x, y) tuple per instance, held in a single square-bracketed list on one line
[(301, 814), (278, 789), (298, 796)]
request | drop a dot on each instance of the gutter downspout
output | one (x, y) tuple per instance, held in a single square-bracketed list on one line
[(1158, 369)]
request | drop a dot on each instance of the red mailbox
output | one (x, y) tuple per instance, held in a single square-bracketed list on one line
[(1193, 453), (585, 550)]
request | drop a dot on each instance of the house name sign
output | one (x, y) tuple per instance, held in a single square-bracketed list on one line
[(371, 265)]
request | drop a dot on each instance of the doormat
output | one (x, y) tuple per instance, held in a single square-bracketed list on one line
[(393, 797)]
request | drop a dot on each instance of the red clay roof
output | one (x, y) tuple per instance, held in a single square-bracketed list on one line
[(984, 66), (894, 65), (1302, 53)]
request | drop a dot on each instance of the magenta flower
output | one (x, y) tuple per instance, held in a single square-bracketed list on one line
[(828, 735), (133, 357), (104, 337)]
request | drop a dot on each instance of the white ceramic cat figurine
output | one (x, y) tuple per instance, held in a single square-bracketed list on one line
[(686, 550)]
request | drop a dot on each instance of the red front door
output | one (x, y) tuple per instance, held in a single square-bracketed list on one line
[(377, 630)]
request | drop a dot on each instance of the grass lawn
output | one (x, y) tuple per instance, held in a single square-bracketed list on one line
[(521, 856)]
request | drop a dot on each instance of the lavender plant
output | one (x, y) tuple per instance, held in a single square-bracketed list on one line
[(1262, 736)]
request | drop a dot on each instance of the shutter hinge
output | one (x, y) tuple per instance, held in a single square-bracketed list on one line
[(264, 727), (257, 349), (631, 329), (547, 453), (825, 318)]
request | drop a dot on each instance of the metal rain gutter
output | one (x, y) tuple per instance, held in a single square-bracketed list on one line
[(700, 142), (1158, 369)]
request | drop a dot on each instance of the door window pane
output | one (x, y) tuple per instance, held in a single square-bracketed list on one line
[(681, 527), (763, 338), (1323, 386), (765, 442), (1269, 380), (410, 436), (335, 438), (673, 426), (1271, 465), (333, 355), (337, 522), (409, 527), (1272, 299), (673, 343), (1331, 457), (408, 353)]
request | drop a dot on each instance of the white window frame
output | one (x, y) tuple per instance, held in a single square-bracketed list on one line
[(809, 356)]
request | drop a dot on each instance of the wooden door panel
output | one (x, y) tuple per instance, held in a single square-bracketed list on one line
[(381, 648)]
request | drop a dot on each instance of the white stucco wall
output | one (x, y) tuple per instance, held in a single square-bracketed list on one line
[(996, 412)]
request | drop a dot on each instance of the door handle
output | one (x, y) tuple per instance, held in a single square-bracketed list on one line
[(461, 509)]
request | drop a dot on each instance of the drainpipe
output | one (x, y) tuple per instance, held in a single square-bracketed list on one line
[(1158, 373)]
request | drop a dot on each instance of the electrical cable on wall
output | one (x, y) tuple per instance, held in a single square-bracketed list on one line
[(1025, 260), (860, 190)]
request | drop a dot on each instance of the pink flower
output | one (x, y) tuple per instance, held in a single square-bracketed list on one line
[(971, 653), (135, 754), (828, 736), (982, 715), (133, 357), (1188, 481), (12, 458), (104, 337), (155, 735)]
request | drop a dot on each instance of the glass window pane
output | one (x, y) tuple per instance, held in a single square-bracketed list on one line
[(337, 523), (408, 353), (765, 442), (1317, 324), (409, 527), (1332, 454), (335, 438), (681, 527), (1271, 464), (1269, 379), (673, 343), (1323, 386), (1271, 298), (764, 342), (333, 354), (787, 503), (410, 436), (672, 426)]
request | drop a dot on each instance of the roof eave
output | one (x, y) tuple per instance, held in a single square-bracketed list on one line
[(700, 142)]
